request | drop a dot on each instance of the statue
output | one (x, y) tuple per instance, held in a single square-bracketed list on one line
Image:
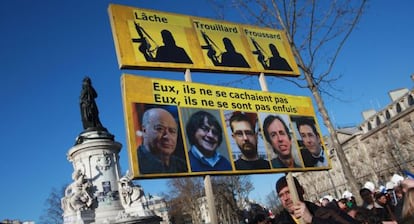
[(131, 195), (88, 107), (77, 194)]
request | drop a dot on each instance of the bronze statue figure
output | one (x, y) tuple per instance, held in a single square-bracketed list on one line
[(88, 107)]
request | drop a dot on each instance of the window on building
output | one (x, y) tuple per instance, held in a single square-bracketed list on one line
[(410, 100), (378, 121), (387, 115), (399, 109)]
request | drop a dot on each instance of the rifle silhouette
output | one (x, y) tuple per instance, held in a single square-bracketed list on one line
[(145, 46), (211, 49), (261, 54)]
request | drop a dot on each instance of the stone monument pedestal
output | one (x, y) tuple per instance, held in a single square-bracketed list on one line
[(98, 194), (80, 217)]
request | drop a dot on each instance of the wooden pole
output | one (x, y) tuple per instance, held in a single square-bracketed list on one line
[(210, 199), (293, 191), (262, 81), (187, 75), (289, 178), (208, 188)]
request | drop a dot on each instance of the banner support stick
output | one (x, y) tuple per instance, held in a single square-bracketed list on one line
[(293, 191), (289, 178), (210, 199), (187, 75), (262, 81), (208, 188)]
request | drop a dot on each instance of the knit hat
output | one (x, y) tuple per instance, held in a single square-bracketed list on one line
[(282, 182)]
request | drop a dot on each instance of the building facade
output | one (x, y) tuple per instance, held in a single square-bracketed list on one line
[(160, 208), (381, 146)]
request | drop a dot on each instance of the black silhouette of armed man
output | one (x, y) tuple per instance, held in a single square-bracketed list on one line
[(232, 58), (170, 52), (276, 62)]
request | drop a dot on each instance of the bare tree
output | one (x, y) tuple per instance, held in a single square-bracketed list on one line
[(239, 185), (230, 193), (317, 32), (53, 211), (273, 202), (184, 197)]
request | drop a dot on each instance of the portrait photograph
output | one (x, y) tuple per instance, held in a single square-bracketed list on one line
[(280, 141), (204, 138), (159, 139)]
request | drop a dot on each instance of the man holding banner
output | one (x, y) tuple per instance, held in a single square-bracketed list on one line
[(306, 211)]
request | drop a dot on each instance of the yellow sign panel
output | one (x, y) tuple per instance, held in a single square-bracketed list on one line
[(177, 128), (147, 39)]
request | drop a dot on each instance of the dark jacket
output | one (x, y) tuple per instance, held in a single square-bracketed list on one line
[(251, 165), (320, 215), (307, 158), (197, 165), (148, 163)]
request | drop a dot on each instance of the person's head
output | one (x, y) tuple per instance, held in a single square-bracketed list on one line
[(408, 205), (324, 202), (228, 45), (366, 195), (277, 134), (205, 132), (167, 38), (317, 202), (381, 198), (259, 218), (274, 50), (283, 193), (310, 136), (398, 192), (159, 131), (406, 184), (342, 204), (244, 135), (363, 215)]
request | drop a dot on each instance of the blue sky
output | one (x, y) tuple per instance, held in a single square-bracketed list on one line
[(47, 47)]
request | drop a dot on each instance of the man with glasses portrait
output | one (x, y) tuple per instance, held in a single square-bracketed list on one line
[(245, 136), (205, 135)]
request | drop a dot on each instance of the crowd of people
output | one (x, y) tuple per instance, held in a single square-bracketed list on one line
[(379, 206)]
